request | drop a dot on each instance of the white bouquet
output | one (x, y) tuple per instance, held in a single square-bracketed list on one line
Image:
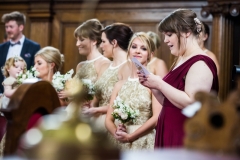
[(60, 80), (88, 83), (30, 74), (123, 112)]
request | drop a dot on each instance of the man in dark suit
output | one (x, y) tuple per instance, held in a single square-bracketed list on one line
[(18, 45)]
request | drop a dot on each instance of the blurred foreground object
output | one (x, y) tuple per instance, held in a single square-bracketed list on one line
[(59, 137), (215, 127), (28, 100)]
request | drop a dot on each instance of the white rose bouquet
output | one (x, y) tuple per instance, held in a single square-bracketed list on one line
[(123, 112), (30, 74), (60, 80)]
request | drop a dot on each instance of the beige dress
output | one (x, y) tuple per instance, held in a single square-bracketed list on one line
[(87, 70), (103, 91), (9, 81), (137, 97)]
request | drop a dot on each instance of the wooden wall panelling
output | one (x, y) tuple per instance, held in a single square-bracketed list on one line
[(222, 41), (56, 33), (69, 49), (40, 16), (40, 32)]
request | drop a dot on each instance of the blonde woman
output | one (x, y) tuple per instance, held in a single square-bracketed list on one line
[(13, 66), (48, 61), (140, 133)]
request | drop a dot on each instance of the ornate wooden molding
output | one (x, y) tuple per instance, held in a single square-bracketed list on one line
[(229, 8)]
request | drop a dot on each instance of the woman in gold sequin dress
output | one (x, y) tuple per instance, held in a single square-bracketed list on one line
[(88, 36), (115, 40), (140, 133)]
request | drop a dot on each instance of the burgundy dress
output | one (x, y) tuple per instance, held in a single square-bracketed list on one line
[(169, 130)]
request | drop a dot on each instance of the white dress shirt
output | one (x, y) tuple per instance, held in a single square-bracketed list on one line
[(15, 50)]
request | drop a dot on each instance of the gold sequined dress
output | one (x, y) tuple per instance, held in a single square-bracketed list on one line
[(103, 91), (87, 70), (139, 98)]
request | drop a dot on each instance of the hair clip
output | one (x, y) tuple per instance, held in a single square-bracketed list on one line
[(198, 24), (197, 21)]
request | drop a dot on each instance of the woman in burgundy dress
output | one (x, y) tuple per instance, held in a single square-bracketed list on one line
[(192, 71)]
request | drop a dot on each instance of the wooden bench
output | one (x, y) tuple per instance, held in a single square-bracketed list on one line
[(29, 100)]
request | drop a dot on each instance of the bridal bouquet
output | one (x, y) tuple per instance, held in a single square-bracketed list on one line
[(30, 74), (60, 80), (123, 112)]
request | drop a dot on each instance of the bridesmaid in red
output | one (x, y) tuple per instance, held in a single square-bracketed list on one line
[(192, 71)]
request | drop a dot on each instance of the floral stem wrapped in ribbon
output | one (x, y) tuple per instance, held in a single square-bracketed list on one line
[(30, 74), (123, 112), (60, 80)]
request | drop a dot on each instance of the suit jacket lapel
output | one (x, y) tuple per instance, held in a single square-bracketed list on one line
[(5, 52), (24, 48)]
